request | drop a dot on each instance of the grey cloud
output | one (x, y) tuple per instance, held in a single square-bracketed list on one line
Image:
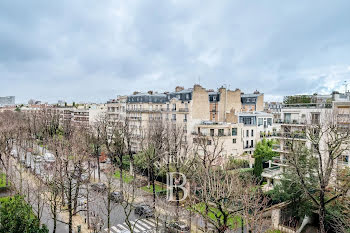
[(93, 50)]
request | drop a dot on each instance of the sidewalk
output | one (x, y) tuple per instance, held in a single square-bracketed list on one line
[(162, 208), (46, 217)]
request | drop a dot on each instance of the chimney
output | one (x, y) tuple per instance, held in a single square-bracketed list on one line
[(150, 92), (256, 92), (135, 92), (178, 88)]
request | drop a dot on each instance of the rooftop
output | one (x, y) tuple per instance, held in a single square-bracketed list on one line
[(260, 114)]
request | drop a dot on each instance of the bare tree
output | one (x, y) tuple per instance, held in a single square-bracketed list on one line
[(113, 136), (7, 136), (314, 166), (109, 205)]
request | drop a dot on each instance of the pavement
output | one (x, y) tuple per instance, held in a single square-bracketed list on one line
[(164, 209)]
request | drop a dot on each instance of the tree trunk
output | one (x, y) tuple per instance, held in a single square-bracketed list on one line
[(131, 165), (98, 168), (75, 200), (70, 209), (87, 197), (121, 171), (109, 208), (154, 188), (54, 217), (322, 212)]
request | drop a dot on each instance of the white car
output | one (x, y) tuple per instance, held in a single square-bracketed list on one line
[(49, 157), (13, 153)]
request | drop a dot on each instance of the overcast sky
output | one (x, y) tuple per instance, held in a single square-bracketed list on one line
[(87, 50)]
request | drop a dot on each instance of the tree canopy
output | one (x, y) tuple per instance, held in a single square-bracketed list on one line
[(17, 216)]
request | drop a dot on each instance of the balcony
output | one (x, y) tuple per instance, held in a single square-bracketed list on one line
[(267, 135), (308, 105), (183, 109), (144, 110), (293, 122), (271, 172), (297, 136), (279, 161), (279, 149)]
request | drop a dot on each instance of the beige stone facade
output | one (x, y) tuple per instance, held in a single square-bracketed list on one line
[(188, 108)]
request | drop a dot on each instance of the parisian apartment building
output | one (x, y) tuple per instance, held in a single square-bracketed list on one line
[(295, 118), (237, 118)]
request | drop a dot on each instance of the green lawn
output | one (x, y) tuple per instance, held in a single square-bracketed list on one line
[(2, 180), (127, 178), (150, 189), (4, 199), (233, 221)]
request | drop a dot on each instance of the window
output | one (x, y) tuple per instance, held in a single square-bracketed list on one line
[(214, 98), (234, 140), (185, 118), (247, 133), (252, 133), (252, 143), (234, 131), (315, 118), (287, 118), (221, 132), (211, 132), (260, 121), (269, 121), (247, 144), (167, 106), (187, 96), (173, 117), (174, 107)]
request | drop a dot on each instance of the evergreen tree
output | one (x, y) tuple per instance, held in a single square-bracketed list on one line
[(17, 216)]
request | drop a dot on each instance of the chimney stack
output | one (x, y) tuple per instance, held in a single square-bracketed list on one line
[(178, 88)]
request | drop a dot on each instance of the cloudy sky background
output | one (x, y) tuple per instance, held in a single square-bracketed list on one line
[(87, 50)]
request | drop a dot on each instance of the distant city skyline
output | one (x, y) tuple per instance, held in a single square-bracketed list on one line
[(93, 51)]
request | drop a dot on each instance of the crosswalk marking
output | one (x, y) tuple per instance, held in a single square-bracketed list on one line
[(155, 222), (139, 226), (147, 223), (134, 227), (115, 229)]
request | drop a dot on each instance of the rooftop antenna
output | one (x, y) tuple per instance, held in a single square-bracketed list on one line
[(346, 86), (199, 79)]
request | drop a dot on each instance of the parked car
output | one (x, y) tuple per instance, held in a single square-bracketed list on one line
[(37, 158), (14, 153), (144, 210), (99, 187), (49, 157), (117, 197), (177, 227)]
